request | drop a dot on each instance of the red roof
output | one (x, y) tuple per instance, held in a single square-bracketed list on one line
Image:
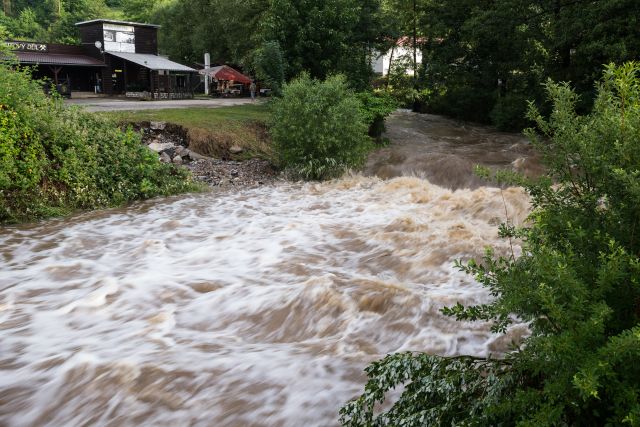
[(57, 59), (226, 73)]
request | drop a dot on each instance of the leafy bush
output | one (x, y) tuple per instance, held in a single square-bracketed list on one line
[(54, 159), (510, 112), (577, 285), (318, 129), (402, 88), (463, 102), (376, 106)]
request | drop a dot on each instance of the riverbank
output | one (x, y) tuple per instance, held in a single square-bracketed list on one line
[(230, 133), (226, 147), (174, 144)]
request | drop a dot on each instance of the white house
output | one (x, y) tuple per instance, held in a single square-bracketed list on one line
[(400, 55)]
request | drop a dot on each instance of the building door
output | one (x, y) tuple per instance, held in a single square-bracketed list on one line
[(117, 78)]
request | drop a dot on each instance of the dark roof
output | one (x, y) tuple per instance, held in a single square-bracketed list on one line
[(111, 21), (57, 59)]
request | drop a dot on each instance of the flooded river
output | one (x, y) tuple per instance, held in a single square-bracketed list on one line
[(445, 152), (254, 308)]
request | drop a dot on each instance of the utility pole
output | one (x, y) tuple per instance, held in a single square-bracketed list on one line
[(207, 66)]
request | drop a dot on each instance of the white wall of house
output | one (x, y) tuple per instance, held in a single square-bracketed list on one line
[(401, 54)]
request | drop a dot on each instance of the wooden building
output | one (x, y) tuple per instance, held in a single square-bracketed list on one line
[(114, 58)]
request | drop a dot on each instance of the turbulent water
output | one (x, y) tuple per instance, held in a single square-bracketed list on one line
[(255, 308), (446, 151)]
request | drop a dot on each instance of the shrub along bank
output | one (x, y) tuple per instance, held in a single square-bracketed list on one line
[(55, 159), (322, 128)]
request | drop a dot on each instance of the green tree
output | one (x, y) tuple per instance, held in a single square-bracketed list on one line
[(141, 10), (485, 59), (52, 20), (26, 26), (577, 285), (227, 30), (326, 37), (63, 29), (269, 65), (320, 37)]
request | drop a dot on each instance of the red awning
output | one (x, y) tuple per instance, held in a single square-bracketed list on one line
[(57, 59), (226, 73)]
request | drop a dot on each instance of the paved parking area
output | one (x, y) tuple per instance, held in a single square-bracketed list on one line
[(115, 104)]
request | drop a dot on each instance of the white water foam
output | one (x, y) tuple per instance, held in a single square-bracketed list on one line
[(259, 308)]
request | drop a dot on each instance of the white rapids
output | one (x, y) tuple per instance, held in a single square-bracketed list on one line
[(256, 308)]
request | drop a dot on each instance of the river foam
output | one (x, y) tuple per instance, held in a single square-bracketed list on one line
[(259, 308)]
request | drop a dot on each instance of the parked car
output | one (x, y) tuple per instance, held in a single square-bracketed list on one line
[(233, 90)]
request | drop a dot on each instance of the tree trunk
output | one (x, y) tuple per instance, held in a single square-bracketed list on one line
[(393, 49), (415, 46)]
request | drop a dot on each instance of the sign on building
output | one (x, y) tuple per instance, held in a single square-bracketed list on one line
[(27, 46), (119, 38)]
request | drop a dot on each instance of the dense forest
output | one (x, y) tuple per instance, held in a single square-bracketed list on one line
[(481, 60)]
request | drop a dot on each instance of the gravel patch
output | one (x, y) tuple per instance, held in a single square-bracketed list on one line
[(171, 143)]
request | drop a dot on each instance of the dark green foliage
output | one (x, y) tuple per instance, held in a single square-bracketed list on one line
[(577, 285), (229, 31), (324, 37), (509, 112), (376, 106), (318, 129), (480, 57), (463, 102), (321, 37), (54, 159), (139, 10), (456, 389), (52, 20), (269, 64)]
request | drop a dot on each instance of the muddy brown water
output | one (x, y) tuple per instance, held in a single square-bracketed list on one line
[(446, 151), (254, 308)]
